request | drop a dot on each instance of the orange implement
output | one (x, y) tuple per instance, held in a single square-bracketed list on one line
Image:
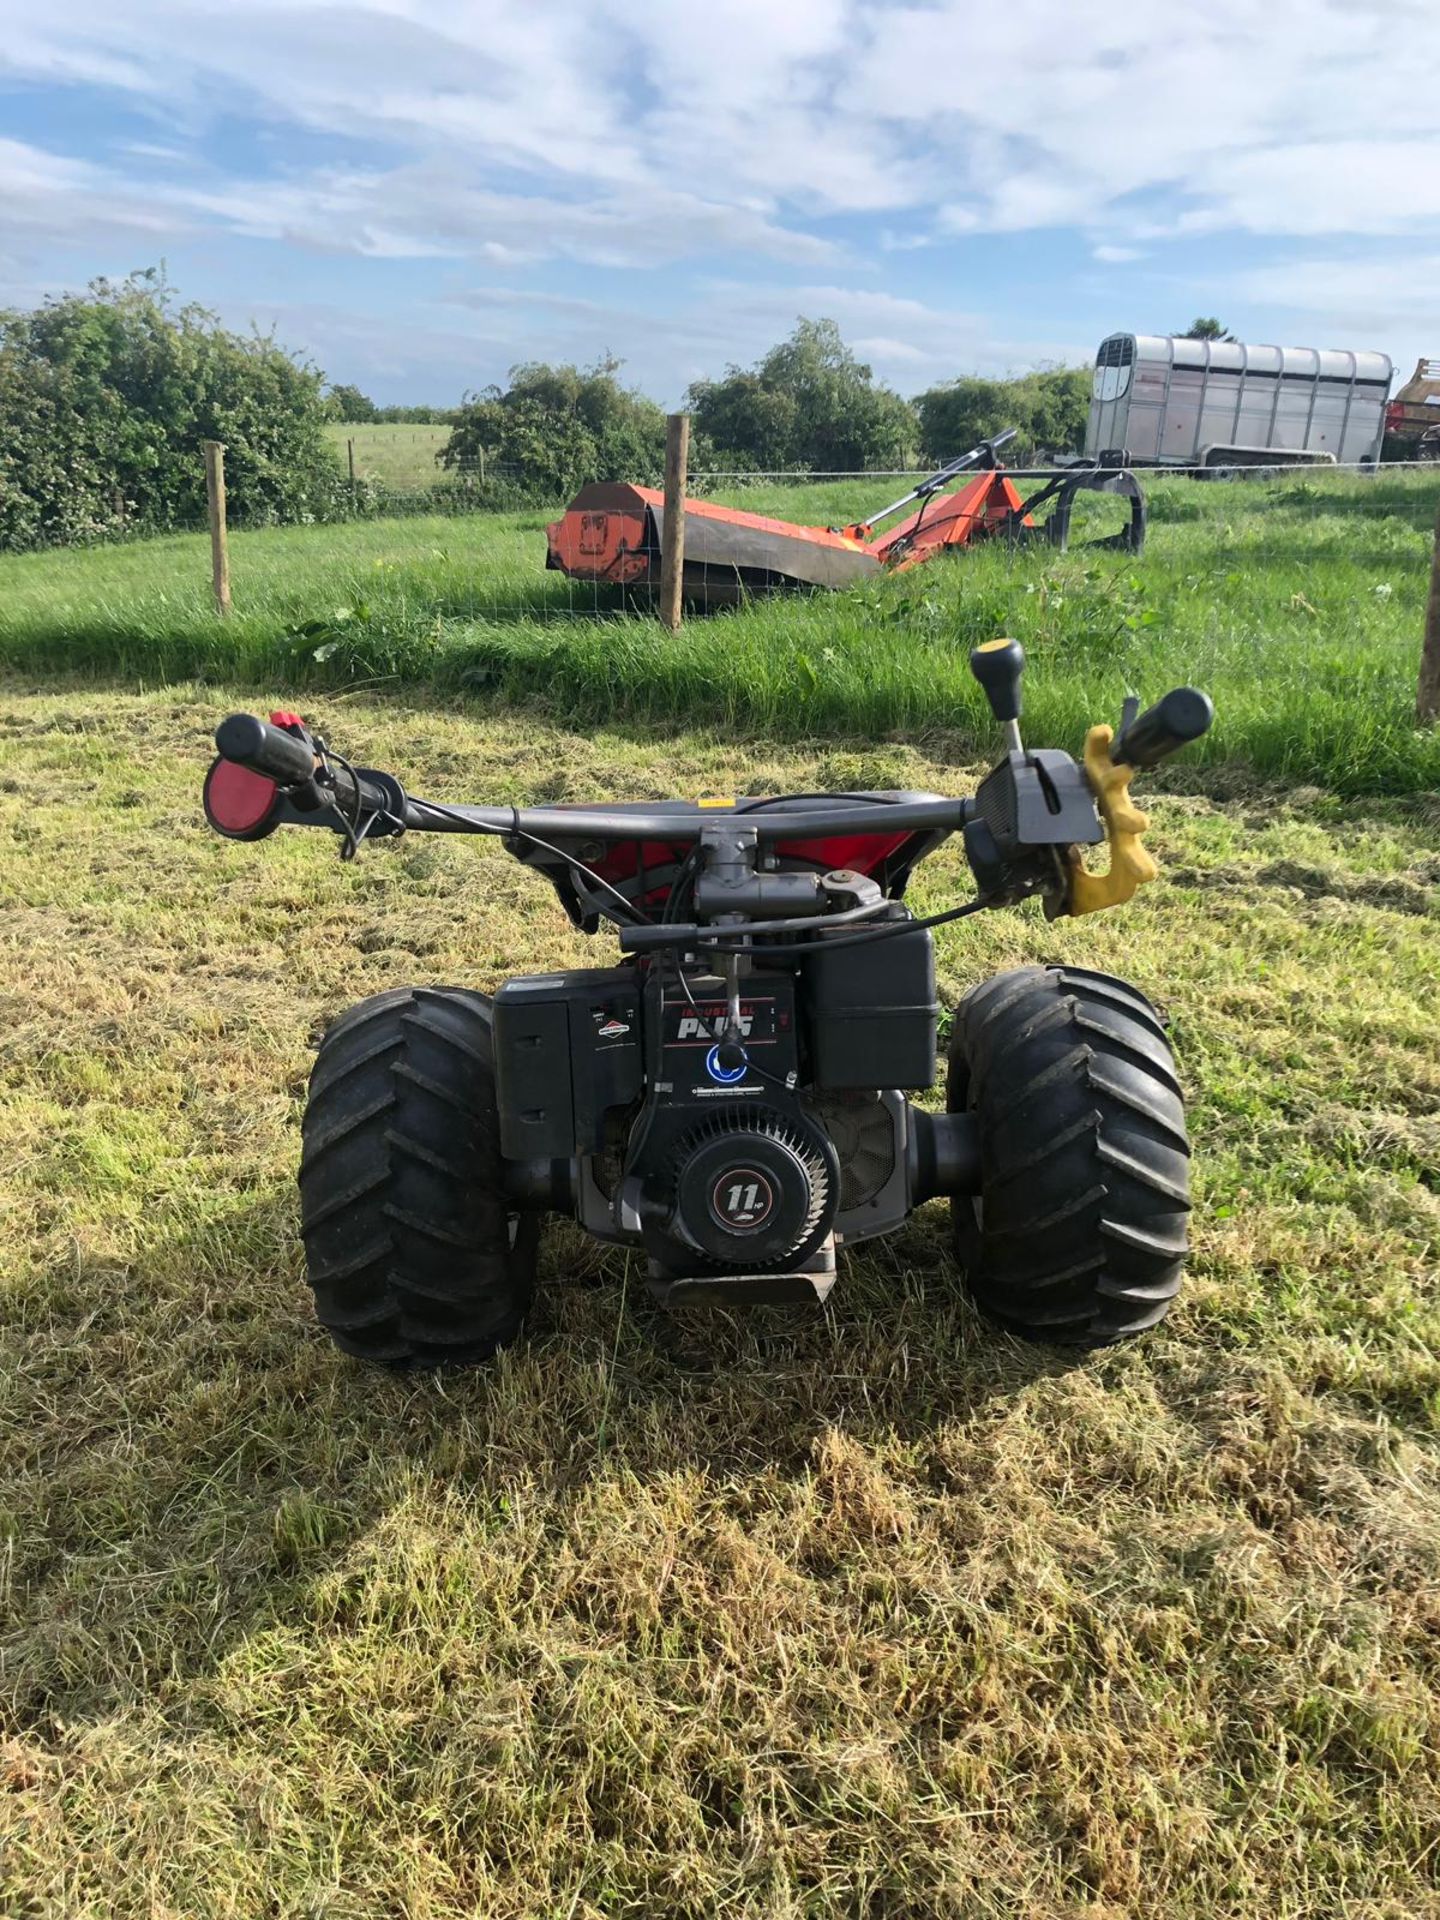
[(611, 533)]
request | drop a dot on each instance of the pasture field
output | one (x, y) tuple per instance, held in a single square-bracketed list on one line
[(863, 1611), (1298, 602), (393, 453)]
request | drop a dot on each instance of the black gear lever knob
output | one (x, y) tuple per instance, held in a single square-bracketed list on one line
[(998, 665)]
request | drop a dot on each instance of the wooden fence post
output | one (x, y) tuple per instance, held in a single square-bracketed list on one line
[(672, 539), (350, 455), (219, 546), (1427, 698)]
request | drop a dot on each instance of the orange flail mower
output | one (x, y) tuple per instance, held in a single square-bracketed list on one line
[(611, 532)]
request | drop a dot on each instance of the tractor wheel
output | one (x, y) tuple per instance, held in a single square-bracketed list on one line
[(414, 1254), (1078, 1233)]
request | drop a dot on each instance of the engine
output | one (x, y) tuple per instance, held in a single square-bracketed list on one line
[(741, 1163)]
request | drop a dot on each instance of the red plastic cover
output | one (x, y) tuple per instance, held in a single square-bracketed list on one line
[(237, 800), (859, 853)]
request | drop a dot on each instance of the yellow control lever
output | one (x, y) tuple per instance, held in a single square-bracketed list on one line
[(1130, 865)]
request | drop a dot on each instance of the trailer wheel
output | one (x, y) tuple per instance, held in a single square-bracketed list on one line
[(1078, 1234), (414, 1254)]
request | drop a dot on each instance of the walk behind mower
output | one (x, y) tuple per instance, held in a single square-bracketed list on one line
[(730, 1100), (610, 534)]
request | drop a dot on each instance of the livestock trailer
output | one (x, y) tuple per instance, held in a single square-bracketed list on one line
[(1163, 400)]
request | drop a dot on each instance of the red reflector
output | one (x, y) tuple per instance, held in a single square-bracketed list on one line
[(238, 801)]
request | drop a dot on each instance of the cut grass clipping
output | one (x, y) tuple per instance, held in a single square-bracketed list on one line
[(859, 1611), (1298, 603)]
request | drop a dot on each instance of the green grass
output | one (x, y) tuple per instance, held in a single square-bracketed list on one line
[(1297, 603), (867, 1611), (392, 454)]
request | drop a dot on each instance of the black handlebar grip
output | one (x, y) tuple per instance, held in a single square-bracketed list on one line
[(998, 666), (1172, 723), (251, 742)]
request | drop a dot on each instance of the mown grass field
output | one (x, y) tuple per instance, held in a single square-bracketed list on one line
[(393, 453), (1297, 602), (867, 1611)]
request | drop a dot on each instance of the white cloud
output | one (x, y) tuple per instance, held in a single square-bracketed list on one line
[(1037, 114), (1367, 294), (910, 344), (411, 212), (1378, 297), (153, 150), (46, 197), (825, 135), (1046, 114), (421, 210), (1349, 185), (890, 352)]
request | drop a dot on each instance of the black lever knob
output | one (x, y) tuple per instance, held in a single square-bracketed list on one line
[(998, 666)]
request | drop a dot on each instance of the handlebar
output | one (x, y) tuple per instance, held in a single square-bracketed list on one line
[(1172, 723), (246, 740), (291, 761), (986, 450), (599, 823)]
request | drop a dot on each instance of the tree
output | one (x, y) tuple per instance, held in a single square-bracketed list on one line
[(350, 405), (555, 428), (1206, 327), (1049, 407), (106, 396), (743, 419), (808, 403)]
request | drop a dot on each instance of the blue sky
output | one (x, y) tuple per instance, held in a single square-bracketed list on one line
[(420, 193)]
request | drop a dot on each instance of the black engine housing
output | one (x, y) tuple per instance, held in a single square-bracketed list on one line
[(611, 1083)]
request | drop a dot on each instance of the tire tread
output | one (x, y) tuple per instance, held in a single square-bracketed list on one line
[(403, 1212), (1080, 1240)]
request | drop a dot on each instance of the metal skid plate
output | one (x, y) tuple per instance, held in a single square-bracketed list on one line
[(810, 1282)]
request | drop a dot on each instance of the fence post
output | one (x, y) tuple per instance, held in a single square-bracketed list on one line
[(350, 455), (219, 545), (672, 539), (1427, 698)]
